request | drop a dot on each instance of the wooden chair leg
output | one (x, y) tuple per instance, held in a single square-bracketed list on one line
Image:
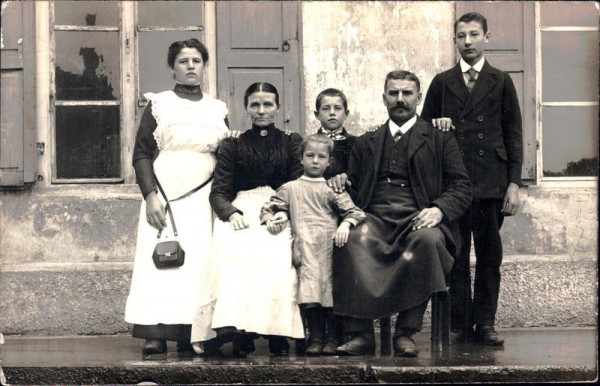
[(385, 327), (440, 322)]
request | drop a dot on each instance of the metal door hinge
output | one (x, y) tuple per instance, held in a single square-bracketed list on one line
[(41, 147)]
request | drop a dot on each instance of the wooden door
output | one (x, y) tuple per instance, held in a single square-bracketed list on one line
[(258, 41), (17, 133), (511, 48)]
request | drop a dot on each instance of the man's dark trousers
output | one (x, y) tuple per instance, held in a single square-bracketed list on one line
[(484, 220)]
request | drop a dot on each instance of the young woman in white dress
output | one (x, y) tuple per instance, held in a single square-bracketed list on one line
[(184, 127)]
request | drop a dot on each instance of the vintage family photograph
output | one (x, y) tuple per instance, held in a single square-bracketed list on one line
[(299, 192)]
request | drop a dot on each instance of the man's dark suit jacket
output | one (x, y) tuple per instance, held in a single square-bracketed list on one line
[(488, 126), (436, 172)]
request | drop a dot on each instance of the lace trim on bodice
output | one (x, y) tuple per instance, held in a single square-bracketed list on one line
[(185, 124)]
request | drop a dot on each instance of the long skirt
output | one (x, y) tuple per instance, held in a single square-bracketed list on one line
[(177, 296), (386, 267), (257, 282)]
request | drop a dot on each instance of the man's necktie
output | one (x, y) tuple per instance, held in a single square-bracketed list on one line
[(397, 135), (471, 79)]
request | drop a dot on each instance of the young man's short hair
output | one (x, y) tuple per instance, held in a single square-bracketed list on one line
[(472, 16)]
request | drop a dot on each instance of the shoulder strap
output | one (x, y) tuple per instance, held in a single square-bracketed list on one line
[(168, 210), (168, 207)]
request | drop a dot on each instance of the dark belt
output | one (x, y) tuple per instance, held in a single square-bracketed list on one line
[(396, 182)]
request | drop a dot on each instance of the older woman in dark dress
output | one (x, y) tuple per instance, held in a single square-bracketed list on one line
[(257, 282)]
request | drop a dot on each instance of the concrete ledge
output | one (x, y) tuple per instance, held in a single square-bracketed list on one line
[(89, 299), (529, 355), (339, 374)]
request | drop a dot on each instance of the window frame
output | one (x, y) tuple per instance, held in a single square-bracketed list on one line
[(129, 114), (563, 181), (125, 71)]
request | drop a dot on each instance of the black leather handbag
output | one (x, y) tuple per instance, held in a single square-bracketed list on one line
[(169, 253)]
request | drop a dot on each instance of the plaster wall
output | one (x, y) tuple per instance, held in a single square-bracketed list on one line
[(352, 45)]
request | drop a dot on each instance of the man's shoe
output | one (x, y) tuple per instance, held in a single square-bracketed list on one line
[(154, 346), (488, 336), (404, 346), (360, 345), (463, 336)]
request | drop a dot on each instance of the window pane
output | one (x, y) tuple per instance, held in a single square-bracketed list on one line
[(569, 13), (570, 141), (570, 66), (87, 142), (87, 65), (169, 13), (86, 13)]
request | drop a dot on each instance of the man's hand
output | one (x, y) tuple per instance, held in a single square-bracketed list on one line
[(443, 124), (511, 200), (155, 211), (238, 222), (341, 234), (427, 218), (338, 183), (232, 134), (277, 223)]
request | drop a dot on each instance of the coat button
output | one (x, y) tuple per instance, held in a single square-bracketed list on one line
[(481, 153), (461, 136), (480, 135), (480, 118), (462, 120), (462, 152)]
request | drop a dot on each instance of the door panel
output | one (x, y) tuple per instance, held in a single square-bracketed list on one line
[(17, 131), (511, 48), (254, 45)]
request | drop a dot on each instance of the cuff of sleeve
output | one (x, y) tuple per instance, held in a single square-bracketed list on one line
[(229, 212), (265, 217), (154, 189), (353, 222)]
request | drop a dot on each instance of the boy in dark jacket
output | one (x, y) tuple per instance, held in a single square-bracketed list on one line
[(332, 110), (479, 102)]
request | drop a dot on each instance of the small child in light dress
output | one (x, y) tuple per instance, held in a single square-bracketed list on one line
[(314, 210)]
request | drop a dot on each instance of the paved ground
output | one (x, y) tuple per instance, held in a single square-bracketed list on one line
[(529, 355)]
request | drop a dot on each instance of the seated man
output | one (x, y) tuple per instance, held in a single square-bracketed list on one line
[(410, 180)]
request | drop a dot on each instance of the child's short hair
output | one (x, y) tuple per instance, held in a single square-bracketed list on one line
[(333, 92), (317, 138), (472, 16)]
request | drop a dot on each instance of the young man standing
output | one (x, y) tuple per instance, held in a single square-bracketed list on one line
[(479, 102)]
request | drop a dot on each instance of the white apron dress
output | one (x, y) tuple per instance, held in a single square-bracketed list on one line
[(187, 135), (257, 282)]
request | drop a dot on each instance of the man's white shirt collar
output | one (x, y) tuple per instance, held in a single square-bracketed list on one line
[(404, 128), (464, 66)]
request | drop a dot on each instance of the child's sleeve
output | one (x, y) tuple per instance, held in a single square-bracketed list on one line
[(278, 203), (346, 208)]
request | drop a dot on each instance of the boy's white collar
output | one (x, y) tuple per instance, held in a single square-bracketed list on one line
[(307, 178), (464, 66)]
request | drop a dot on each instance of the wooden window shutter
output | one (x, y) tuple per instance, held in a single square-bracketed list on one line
[(17, 70)]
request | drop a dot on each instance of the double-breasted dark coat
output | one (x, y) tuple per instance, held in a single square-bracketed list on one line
[(488, 126)]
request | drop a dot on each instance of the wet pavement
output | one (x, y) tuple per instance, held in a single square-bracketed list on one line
[(528, 355)]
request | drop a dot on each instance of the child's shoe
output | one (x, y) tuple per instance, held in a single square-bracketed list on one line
[(315, 347)]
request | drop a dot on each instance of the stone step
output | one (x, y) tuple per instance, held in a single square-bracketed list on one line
[(529, 355)]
